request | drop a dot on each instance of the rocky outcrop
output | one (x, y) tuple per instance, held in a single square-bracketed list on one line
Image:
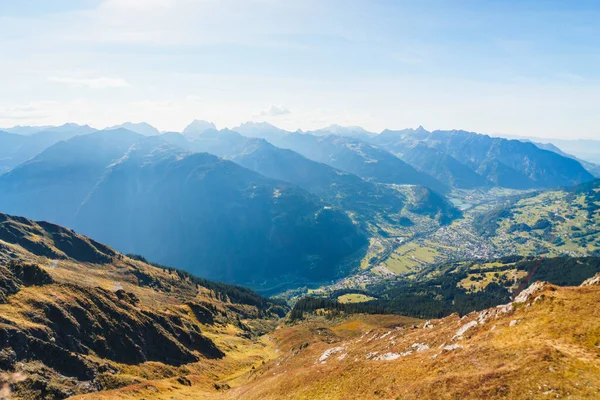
[(204, 313), (530, 291), (111, 326), (593, 281), (15, 274)]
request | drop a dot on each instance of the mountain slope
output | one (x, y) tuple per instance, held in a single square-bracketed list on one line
[(358, 158), (443, 167), (559, 222), (17, 148), (142, 128), (543, 344), (344, 190), (585, 149), (498, 160), (10, 143), (512, 352), (78, 317), (52, 185), (592, 168), (215, 218)]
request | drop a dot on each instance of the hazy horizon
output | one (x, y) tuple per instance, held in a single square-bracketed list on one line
[(495, 134), (511, 68)]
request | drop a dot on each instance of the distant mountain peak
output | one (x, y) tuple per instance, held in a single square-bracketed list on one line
[(255, 124), (197, 127), (143, 128), (26, 129), (71, 125), (262, 130), (335, 129)]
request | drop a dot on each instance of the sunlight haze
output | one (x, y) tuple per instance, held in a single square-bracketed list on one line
[(512, 67)]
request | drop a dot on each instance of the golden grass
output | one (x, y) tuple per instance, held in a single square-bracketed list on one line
[(546, 348), (551, 351)]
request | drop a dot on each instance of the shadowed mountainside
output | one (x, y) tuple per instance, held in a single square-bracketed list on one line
[(79, 317), (216, 218), (184, 209)]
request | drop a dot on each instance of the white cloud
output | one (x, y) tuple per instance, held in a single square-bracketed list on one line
[(91, 83), (23, 112), (274, 111)]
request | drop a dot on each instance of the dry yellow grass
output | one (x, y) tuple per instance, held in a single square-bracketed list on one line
[(546, 347)]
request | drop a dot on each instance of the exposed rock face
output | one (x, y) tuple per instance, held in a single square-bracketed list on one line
[(202, 312), (106, 324), (527, 293), (16, 274), (593, 281)]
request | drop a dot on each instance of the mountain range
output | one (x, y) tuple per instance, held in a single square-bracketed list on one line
[(456, 159), (17, 148), (584, 149), (352, 231), (506, 163), (216, 218), (350, 155), (438, 159), (154, 193), (258, 205), (342, 189)]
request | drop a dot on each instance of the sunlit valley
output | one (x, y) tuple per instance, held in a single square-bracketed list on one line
[(273, 222)]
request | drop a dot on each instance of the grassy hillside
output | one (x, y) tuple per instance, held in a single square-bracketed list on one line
[(78, 317), (562, 222), (544, 344), (457, 287)]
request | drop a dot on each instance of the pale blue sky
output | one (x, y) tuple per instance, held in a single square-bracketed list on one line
[(515, 67)]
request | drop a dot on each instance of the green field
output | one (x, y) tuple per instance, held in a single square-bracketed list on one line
[(354, 298), (411, 256)]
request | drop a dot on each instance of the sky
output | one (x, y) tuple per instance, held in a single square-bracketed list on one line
[(514, 67)]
